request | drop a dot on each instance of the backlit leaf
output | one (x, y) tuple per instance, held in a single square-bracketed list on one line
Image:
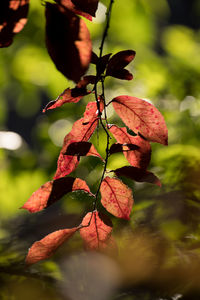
[(68, 41), (81, 132), (13, 17), (52, 191), (137, 174), (68, 96), (97, 232), (142, 117), (138, 157), (116, 197), (46, 247)]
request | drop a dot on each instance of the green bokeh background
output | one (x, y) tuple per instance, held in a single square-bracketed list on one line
[(166, 38)]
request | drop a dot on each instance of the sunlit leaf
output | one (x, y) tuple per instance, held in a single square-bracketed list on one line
[(137, 174), (52, 191), (116, 197), (97, 231), (13, 17), (46, 247), (142, 117), (139, 154), (68, 41)]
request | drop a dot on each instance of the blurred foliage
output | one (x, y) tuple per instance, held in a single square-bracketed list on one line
[(159, 248)]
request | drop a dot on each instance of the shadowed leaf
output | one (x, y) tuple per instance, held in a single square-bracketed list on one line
[(142, 117), (82, 149), (118, 62), (13, 17), (73, 8), (46, 247), (122, 74), (141, 154), (52, 191), (88, 6), (138, 175), (116, 148), (68, 41), (117, 197), (97, 234)]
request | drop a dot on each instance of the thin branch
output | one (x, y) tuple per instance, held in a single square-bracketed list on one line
[(108, 15)]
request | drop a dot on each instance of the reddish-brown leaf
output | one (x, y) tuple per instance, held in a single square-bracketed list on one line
[(88, 6), (137, 174), (97, 232), (68, 41), (82, 149), (122, 74), (13, 17), (138, 157), (118, 62), (73, 8), (142, 117), (52, 191), (116, 197), (46, 247), (81, 132), (102, 63)]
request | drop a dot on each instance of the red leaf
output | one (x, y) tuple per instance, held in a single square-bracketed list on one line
[(68, 41), (138, 175), (82, 149), (72, 95), (81, 132), (68, 96), (97, 232), (73, 8), (52, 191), (139, 157), (117, 198), (141, 117), (46, 247), (91, 111), (13, 17)]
